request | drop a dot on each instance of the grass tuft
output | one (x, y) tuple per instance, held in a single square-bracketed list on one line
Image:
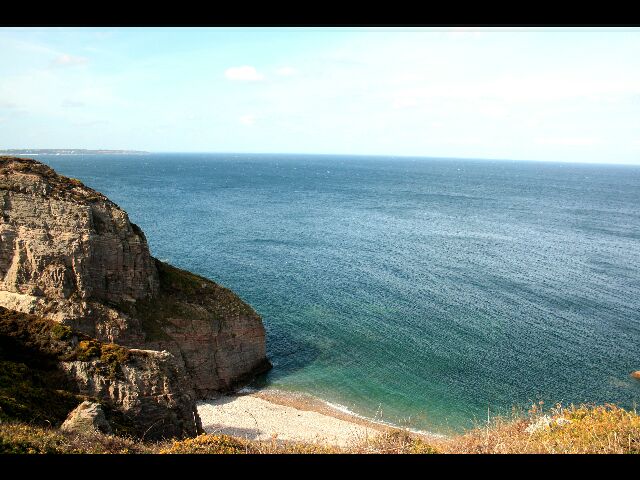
[(210, 444), (581, 429), (574, 429)]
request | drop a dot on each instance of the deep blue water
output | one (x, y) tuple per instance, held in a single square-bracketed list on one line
[(418, 291)]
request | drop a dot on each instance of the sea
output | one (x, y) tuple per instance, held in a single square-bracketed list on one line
[(428, 293)]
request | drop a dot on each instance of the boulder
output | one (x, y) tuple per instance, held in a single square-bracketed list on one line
[(88, 417)]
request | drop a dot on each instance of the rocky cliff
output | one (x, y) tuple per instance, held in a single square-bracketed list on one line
[(69, 254), (47, 369)]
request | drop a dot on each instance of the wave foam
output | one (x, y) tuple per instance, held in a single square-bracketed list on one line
[(347, 411)]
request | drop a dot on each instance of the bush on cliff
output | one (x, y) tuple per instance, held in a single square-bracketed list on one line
[(32, 386)]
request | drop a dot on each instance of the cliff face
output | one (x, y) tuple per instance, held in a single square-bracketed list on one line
[(69, 254), (148, 391), (61, 239), (47, 369), (220, 338)]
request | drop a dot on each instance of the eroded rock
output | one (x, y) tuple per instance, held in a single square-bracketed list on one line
[(88, 417), (69, 254)]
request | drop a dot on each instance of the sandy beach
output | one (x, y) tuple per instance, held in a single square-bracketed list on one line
[(267, 415)]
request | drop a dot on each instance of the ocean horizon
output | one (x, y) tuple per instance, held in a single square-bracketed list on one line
[(422, 292)]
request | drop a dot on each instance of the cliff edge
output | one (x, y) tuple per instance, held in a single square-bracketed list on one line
[(70, 255)]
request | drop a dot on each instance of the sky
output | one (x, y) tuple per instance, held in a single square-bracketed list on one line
[(554, 94)]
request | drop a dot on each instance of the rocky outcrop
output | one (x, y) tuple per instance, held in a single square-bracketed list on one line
[(69, 254), (61, 239), (47, 369), (148, 390), (218, 336), (88, 417)]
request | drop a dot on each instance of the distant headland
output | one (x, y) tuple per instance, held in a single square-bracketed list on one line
[(68, 151)]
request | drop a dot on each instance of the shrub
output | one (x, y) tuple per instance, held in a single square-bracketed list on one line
[(207, 444), (87, 349), (114, 356)]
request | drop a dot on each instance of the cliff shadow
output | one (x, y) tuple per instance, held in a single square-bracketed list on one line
[(288, 353), (33, 387)]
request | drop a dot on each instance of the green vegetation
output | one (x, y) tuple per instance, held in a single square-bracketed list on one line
[(87, 350), (175, 280), (32, 386), (75, 182), (32, 406), (31, 395), (113, 356), (22, 438), (575, 429), (395, 441), (35, 399), (185, 285), (61, 332), (208, 444), (184, 295)]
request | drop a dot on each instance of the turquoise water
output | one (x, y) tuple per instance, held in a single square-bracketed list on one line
[(418, 291)]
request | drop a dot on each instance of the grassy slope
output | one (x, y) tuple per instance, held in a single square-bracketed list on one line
[(34, 400), (180, 291), (33, 389), (576, 429), (584, 429)]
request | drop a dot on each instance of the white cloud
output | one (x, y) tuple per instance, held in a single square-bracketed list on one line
[(405, 101), (66, 60), (248, 119), (568, 141), (286, 71), (67, 103), (10, 41), (492, 110), (246, 73), (533, 88), (90, 123)]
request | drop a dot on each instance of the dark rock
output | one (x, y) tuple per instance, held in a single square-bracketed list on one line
[(88, 417)]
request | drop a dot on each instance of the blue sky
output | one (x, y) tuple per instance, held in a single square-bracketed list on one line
[(559, 94)]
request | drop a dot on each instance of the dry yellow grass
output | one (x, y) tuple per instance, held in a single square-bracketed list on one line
[(207, 444), (394, 442), (581, 429), (24, 438)]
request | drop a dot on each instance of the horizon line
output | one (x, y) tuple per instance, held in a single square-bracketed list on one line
[(124, 151)]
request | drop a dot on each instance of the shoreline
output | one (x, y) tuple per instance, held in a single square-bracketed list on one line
[(271, 414)]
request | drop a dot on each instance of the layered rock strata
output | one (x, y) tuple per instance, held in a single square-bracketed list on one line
[(69, 254)]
